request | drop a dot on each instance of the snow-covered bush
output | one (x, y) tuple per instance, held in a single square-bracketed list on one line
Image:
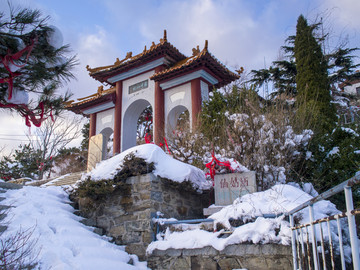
[(251, 133)]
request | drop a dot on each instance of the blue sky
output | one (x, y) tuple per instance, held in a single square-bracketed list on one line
[(244, 33)]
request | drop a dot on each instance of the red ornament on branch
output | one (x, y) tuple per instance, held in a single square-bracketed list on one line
[(212, 166)]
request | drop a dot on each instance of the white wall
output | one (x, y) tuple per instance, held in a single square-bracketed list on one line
[(133, 105), (147, 93), (105, 119), (179, 97), (204, 91)]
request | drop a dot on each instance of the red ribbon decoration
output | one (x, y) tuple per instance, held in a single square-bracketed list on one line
[(148, 138), (212, 165), (167, 147), (10, 58), (29, 115)]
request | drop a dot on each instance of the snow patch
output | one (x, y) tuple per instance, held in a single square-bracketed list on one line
[(165, 167), (62, 241)]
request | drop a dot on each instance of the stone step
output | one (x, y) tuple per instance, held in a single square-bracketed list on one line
[(4, 207), (6, 185), (68, 180), (2, 215), (2, 229)]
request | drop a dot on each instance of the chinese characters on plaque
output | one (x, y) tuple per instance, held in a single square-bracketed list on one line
[(228, 187)]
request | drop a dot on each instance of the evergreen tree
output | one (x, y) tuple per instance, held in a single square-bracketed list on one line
[(314, 109), (32, 60), (23, 163), (213, 117), (85, 134), (282, 74)]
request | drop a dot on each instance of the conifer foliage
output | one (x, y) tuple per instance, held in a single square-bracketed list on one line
[(314, 109), (32, 61)]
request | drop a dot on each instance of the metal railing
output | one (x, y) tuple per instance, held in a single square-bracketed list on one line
[(306, 246)]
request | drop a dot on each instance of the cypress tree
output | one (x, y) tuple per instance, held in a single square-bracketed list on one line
[(314, 109)]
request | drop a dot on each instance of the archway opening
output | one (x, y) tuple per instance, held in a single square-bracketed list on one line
[(144, 133), (130, 123), (178, 120)]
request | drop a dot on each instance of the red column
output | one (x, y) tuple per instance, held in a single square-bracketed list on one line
[(117, 119), (159, 112), (92, 128), (195, 101)]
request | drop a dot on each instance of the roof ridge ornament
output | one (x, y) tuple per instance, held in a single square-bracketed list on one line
[(206, 45), (195, 51), (93, 70), (164, 39)]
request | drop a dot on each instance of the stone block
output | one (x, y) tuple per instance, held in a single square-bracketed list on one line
[(229, 263), (139, 225), (138, 249), (117, 231), (121, 219), (182, 211), (147, 237), (141, 206), (146, 214), (145, 196), (126, 200), (136, 198), (204, 263), (88, 222), (98, 231), (131, 237), (103, 222), (114, 210), (171, 252), (167, 198), (95, 153), (157, 196), (181, 263), (206, 251)]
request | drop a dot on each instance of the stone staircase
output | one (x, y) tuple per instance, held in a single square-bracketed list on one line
[(68, 179)]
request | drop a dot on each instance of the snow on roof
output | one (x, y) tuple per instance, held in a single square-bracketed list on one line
[(165, 167)]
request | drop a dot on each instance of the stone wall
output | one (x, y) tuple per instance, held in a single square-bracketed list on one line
[(244, 256), (126, 215)]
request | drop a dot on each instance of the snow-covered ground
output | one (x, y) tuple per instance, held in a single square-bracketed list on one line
[(250, 209), (61, 241)]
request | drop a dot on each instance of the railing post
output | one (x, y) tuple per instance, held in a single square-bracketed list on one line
[(352, 227), (313, 234), (293, 243)]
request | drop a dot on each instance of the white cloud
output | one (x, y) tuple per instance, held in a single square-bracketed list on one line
[(346, 12), (94, 49), (236, 36)]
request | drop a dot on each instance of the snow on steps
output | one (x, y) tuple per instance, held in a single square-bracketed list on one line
[(68, 179)]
